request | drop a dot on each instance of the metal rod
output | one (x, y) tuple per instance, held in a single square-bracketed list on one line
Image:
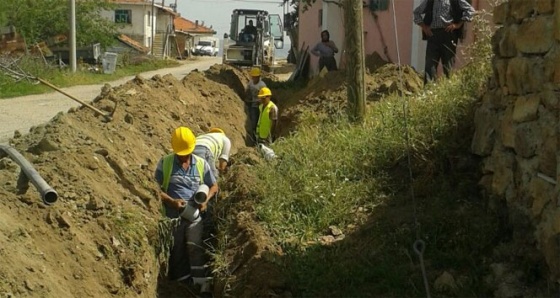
[(74, 98), (48, 194)]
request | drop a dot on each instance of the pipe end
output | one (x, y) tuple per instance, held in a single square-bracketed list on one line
[(50, 197)]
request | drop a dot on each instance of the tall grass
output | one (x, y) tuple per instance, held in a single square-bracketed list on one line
[(331, 172)]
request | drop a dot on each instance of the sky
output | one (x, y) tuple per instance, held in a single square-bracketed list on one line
[(217, 13)]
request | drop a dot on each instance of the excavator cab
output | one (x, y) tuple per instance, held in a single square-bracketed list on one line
[(254, 34)]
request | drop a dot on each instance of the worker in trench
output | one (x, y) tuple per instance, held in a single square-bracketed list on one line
[(267, 124), (214, 147), (252, 101), (183, 176)]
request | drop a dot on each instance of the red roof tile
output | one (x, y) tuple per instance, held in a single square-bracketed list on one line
[(133, 43), (184, 25)]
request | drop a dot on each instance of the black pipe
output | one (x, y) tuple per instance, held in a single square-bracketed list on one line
[(48, 194)]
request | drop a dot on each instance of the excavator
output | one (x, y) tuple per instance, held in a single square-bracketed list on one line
[(254, 36)]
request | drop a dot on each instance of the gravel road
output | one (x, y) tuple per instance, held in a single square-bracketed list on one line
[(21, 113)]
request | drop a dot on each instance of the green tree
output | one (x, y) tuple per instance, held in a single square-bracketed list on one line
[(37, 20)]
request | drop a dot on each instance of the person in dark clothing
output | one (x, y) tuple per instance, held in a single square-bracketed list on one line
[(325, 50), (250, 32), (442, 26)]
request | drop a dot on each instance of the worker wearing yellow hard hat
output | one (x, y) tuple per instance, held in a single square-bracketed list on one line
[(181, 175), (252, 100), (214, 147), (267, 124)]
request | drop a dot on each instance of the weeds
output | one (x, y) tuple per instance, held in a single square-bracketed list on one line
[(331, 172)]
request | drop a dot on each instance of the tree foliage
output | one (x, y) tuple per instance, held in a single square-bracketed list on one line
[(38, 20)]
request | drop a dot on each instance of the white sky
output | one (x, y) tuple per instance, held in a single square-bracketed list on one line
[(218, 12)]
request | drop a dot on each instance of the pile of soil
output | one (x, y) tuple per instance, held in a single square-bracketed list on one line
[(97, 239), (328, 94)]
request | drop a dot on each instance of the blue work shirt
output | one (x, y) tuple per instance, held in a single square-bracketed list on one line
[(183, 182)]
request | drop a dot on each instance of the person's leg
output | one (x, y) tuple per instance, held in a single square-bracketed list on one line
[(331, 63), (254, 116), (433, 55), (197, 254), (449, 49), (321, 63), (179, 268)]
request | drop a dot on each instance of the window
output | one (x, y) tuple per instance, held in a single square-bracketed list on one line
[(149, 18), (320, 18), (378, 5), (123, 16)]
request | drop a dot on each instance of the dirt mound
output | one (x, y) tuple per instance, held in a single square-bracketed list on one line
[(97, 240), (374, 62), (252, 255), (233, 78), (327, 94)]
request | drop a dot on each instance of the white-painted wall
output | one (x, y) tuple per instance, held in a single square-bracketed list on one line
[(139, 21), (418, 51)]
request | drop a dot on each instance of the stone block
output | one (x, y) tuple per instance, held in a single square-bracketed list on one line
[(549, 98), (507, 129), (508, 42), (526, 108), (545, 6), (527, 139), (535, 36), (495, 40), (502, 181), (500, 70), (550, 60), (485, 131), (521, 9), (549, 143), (535, 79), (541, 192), (516, 73), (557, 19), (501, 13)]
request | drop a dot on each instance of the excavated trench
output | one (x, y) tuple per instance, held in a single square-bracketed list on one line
[(98, 239)]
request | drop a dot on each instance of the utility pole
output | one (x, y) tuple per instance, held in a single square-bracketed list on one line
[(73, 35), (355, 68)]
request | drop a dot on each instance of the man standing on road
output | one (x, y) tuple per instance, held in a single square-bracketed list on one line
[(442, 25), (252, 100), (268, 118), (180, 175)]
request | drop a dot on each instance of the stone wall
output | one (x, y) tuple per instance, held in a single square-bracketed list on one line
[(517, 124)]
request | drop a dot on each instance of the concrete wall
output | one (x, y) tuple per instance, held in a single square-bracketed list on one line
[(518, 124)]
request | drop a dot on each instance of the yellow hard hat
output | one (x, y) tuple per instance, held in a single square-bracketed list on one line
[(255, 72), (183, 141), (217, 130), (264, 92)]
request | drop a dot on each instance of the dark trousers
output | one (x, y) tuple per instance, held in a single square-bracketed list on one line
[(253, 113), (187, 258), (328, 62), (441, 47)]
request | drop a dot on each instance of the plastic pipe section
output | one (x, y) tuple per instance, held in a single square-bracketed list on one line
[(48, 194)]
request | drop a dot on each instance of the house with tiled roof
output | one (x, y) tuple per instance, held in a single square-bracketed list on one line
[(144, 26), (188, 33)]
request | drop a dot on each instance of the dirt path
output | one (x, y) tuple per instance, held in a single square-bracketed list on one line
[(21, 113)]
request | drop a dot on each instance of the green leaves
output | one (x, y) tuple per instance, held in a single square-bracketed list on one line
[(39, 20)]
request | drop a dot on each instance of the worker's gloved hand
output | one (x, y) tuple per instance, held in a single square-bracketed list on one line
[(178, 204), (203, 206)]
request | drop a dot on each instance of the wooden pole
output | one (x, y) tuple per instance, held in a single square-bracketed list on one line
[(355, 67)]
